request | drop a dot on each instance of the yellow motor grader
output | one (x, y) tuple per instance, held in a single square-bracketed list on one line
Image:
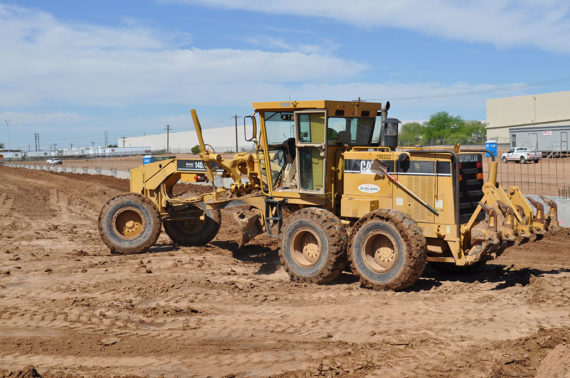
[(352, 195)]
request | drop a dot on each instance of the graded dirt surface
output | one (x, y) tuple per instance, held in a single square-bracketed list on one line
[(68, 307)]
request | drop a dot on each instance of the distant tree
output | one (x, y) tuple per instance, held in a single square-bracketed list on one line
[(477, 131), (1, 145), (112, 146), (195, 149), (443, 128), (411, 134)]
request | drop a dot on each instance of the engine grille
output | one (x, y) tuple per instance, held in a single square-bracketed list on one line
[(470, 187)]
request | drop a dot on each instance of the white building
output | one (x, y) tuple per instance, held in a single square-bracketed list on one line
[(223, 139)]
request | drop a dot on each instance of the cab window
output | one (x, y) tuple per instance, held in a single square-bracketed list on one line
[(350, 130)]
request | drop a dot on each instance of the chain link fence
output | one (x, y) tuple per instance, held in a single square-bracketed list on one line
[(550, 176)]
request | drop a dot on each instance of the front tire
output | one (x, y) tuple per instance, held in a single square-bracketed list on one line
[(504, 159), (313, 246), (129, 223), (200, 227), (387, 250)]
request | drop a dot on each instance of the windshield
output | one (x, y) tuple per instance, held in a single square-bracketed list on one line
[(280, 126), (351, 131)]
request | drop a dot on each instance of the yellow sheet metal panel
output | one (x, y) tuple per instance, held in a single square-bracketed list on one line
[(357, 207), (348, 108)]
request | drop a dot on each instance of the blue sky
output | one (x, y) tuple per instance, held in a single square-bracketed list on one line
[(73, 70)]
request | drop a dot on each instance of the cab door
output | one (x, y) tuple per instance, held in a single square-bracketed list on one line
[(311, 142)]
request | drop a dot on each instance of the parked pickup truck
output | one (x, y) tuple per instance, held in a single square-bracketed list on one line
[(521, 155), (54, 161)]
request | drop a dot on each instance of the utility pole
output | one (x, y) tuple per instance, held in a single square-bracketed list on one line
[(123, 138), (7, 134), (106, 140), (71, 146), (37, 140), (168, 128), (235, 117), (92, 144)]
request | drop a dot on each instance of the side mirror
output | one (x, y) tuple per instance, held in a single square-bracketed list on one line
[(253, 127)]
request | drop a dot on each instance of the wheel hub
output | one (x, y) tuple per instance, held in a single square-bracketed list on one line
[(305, 247), (384, 256), (128, 223), (380, 251), (311, 251)]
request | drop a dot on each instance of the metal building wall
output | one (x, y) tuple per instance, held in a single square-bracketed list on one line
[(545, 139), (547, 109)]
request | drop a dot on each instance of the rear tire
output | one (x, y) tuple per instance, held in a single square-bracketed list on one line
[(313, 246), (129, 223), (194, 231), (536, 161), (522, 160), (387, 250)]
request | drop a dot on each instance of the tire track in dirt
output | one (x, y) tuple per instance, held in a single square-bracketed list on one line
[(59, 202), (214, 310), (6, 202)]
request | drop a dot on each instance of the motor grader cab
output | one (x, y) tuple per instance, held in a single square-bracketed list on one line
[(351, 195)]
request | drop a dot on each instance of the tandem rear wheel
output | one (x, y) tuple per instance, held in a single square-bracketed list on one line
[(313, 246), (387, 250)]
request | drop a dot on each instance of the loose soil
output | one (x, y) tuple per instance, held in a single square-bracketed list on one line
[(68, 307)]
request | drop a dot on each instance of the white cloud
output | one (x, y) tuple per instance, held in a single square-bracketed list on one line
[(45, 61), (504, 23), (31, 118)]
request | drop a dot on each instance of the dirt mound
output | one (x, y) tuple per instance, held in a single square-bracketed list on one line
[(522, 357), (69, 307), (27, 372), (556, 364)]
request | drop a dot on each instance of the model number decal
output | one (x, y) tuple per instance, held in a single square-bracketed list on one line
[(368, 188), (197, 166), (469, 158)]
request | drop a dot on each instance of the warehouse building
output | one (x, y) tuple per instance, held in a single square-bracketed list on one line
[(540, 122), (222, 139)]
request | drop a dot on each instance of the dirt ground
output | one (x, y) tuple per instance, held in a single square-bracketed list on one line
[(68, 307)]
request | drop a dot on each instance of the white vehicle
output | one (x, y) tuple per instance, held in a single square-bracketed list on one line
[(521, 155), (54, 161)]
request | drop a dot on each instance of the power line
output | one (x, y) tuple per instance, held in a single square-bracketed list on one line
[(7, 134), (235, 117), (168, 128)]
